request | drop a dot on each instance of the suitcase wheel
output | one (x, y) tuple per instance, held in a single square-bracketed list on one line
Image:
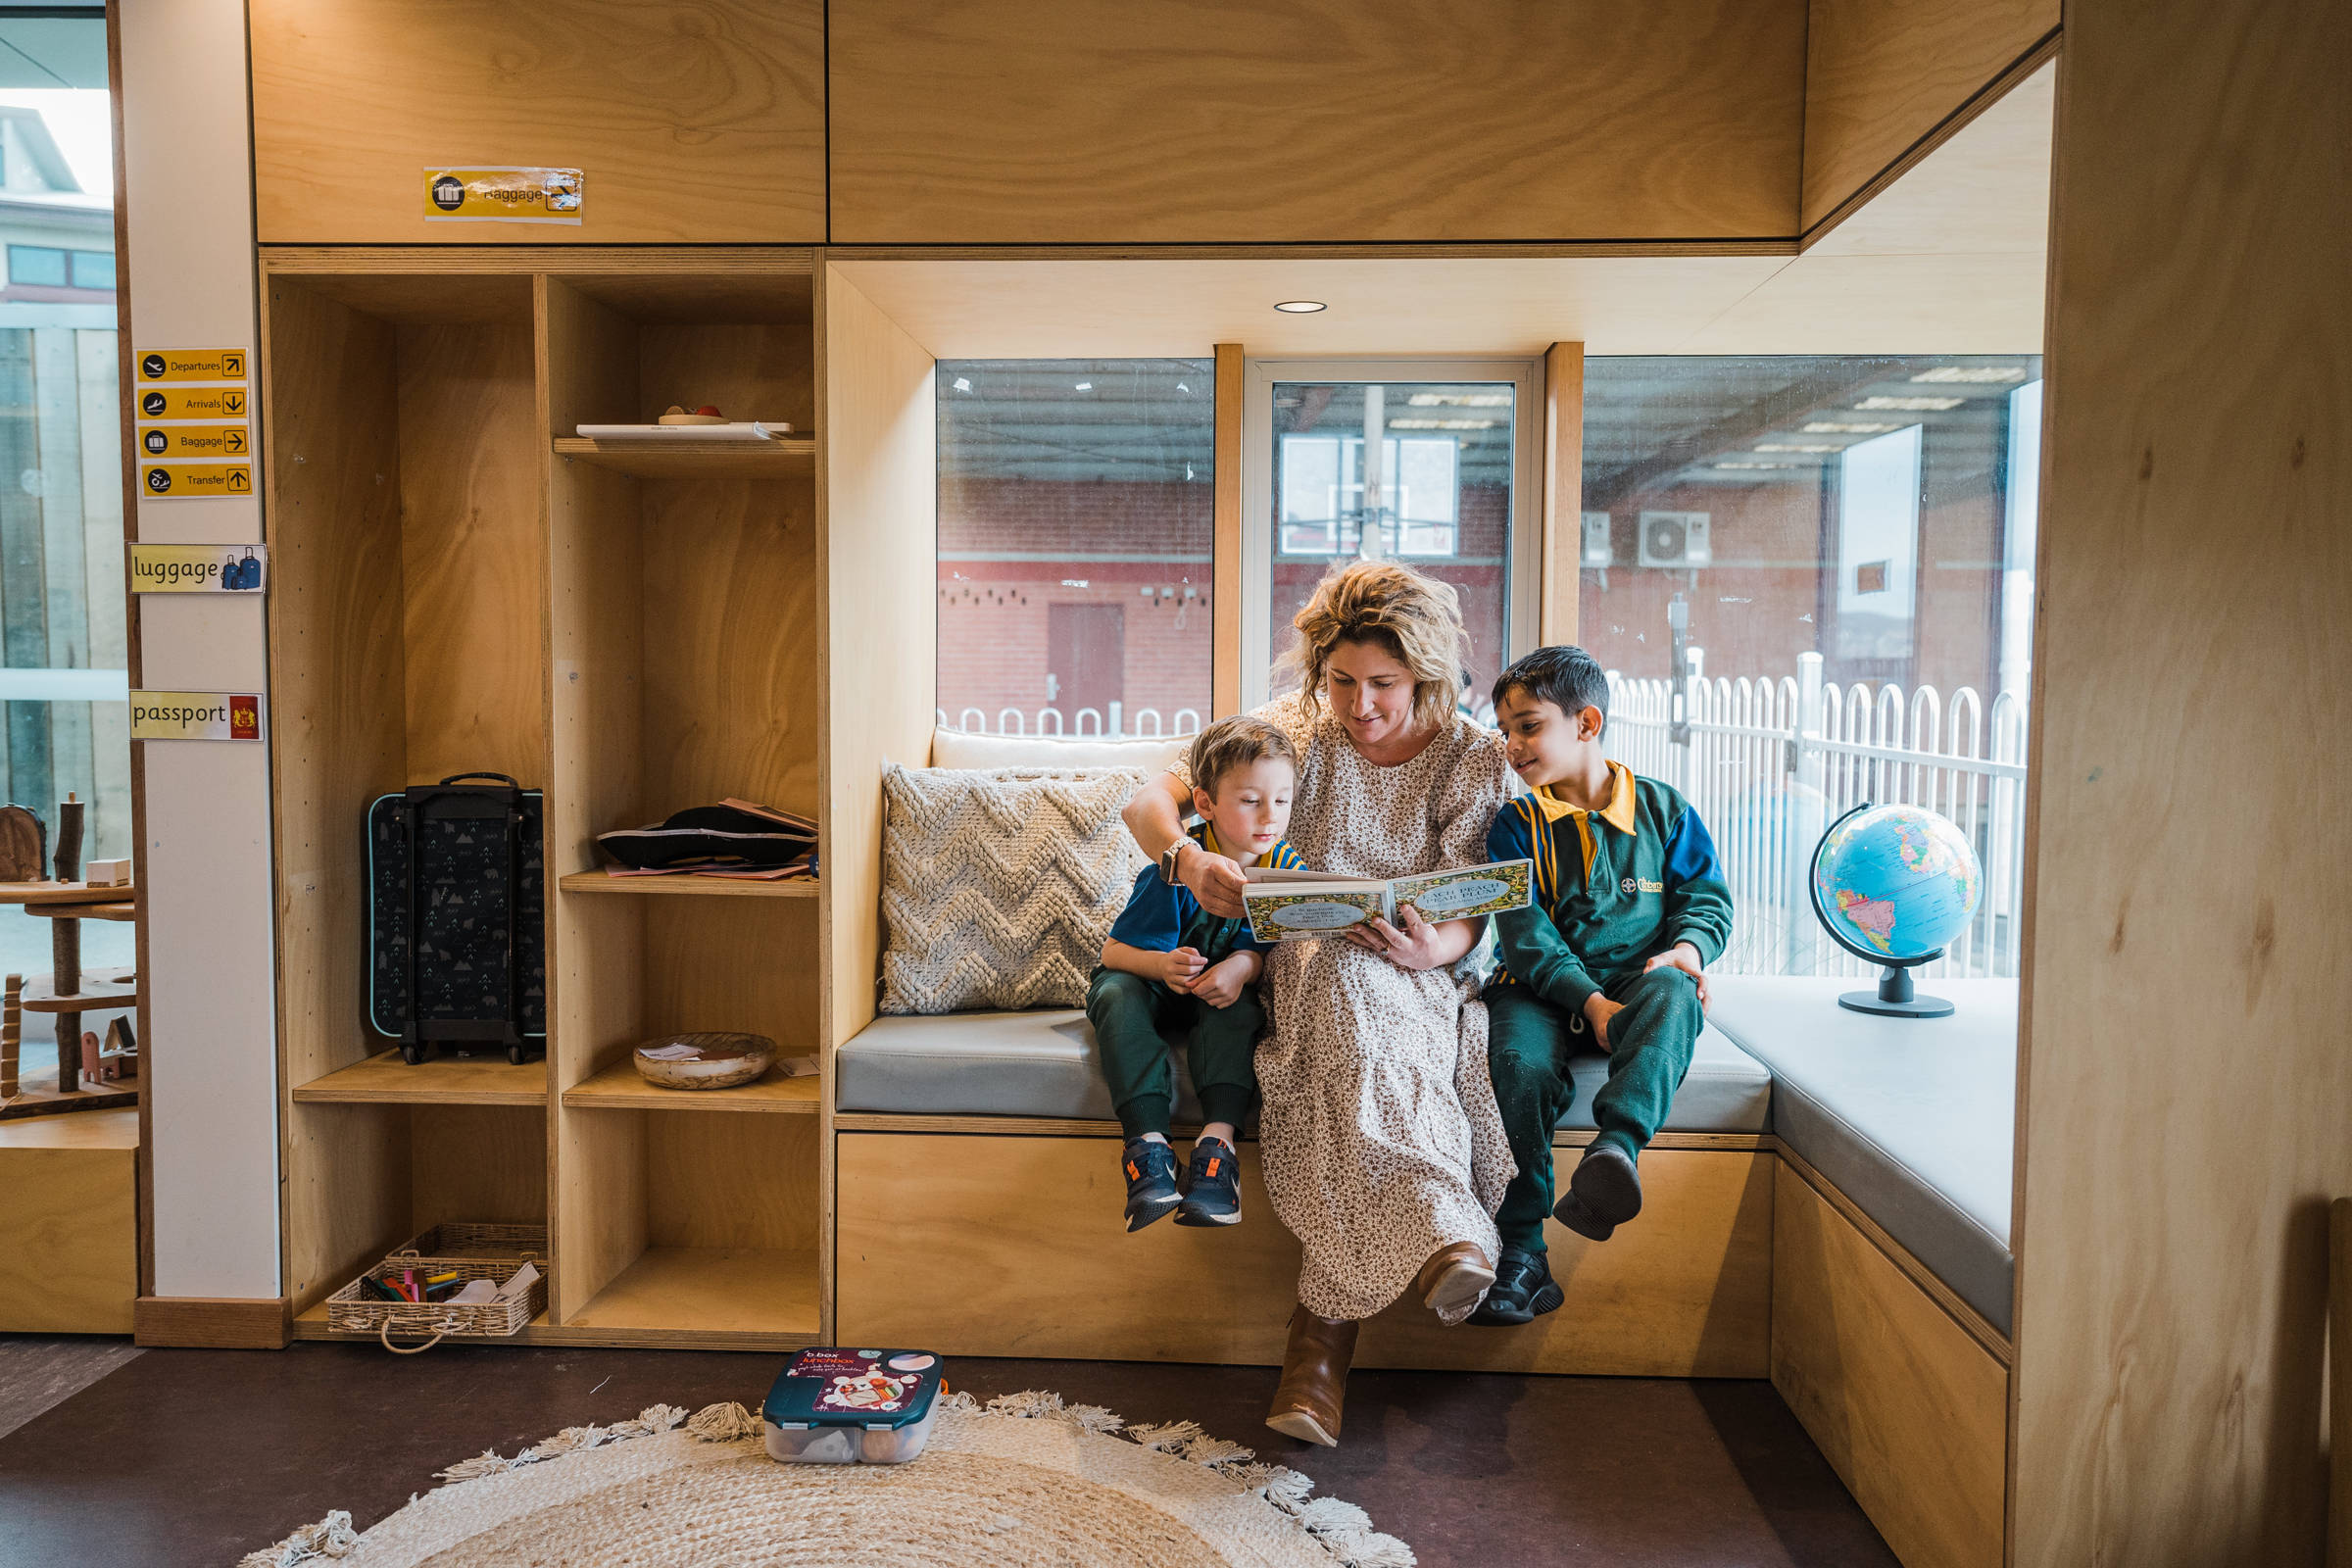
[(517, 1053), (411, 1055)]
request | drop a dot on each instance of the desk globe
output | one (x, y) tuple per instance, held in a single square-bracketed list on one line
[(1893, 885)]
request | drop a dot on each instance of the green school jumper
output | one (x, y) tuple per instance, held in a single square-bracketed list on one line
[(1613, 888)]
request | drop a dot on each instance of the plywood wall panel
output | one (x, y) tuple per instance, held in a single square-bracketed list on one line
[(1186, 121), (2186, 1083), (693, 120), (1882, 77)]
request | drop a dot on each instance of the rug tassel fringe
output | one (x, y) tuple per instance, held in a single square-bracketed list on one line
[(330, 1536), (1339, 1527), (728, 1422), (652, 1419)]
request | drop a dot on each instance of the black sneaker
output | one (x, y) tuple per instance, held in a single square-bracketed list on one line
[(1212, 1186), (1604, 1193), (1523, 1291), (1151, 1168)]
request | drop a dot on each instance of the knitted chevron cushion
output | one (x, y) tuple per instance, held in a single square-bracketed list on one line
[(999, 887)]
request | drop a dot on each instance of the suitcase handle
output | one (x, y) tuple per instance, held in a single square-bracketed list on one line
[(509, 783)]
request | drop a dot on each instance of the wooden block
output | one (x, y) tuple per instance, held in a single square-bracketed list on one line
[(1910, 1410), (1033, 1263), (220, 1323), (68, 1226)]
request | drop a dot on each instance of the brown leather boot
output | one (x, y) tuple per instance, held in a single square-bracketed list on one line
[(1314, 1378), (1454, 1279)]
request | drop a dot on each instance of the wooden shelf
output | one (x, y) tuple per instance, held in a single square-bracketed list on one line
[(101, 991), (673, 1291), (620, 1088), (486, 1079), (64, 892), (689, 885), (696, 460), (83, 911)]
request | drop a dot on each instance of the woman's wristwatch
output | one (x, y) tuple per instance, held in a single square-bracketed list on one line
[(1169, 857)]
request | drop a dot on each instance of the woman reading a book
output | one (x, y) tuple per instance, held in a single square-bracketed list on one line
[(1384, 1150)]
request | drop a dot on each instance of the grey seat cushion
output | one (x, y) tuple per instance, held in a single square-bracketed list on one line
[(1913, 1119), (1043, 1064)]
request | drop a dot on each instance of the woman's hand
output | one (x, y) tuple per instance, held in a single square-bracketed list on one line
[(1214, 880), (1413, 943)]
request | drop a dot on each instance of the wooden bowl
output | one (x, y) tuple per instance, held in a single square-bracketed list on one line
[(703, 1060)]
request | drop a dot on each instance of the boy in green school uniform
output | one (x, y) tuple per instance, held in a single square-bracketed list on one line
[(1173, 974), (1631, 907)]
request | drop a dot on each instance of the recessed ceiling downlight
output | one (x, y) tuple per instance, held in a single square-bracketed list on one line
[(1298, 307)]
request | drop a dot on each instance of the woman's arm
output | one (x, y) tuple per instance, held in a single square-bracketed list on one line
[(1155, 818)]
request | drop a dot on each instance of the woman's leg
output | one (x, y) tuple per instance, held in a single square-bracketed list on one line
[(1308, 1404)]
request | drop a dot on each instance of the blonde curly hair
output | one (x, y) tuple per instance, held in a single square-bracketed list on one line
[(1416, 619)]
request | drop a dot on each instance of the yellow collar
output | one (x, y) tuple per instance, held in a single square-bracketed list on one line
[(1618, 814)]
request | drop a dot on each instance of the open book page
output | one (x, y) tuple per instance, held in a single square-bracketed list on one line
[(1472, 890), (1288, 903)]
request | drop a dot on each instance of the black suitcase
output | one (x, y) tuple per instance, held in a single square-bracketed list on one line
[(457, 894)]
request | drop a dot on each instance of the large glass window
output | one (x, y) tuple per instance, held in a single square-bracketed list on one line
[(63, 622), (1076, 520), (1812, 581), (1365, 461)]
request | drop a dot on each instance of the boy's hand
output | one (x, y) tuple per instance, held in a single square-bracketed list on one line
[(1599, 1010), (1684, 956), (1180, 968), (1221, 984)]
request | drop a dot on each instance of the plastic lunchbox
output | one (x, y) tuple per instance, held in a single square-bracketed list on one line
[(837, 1406)]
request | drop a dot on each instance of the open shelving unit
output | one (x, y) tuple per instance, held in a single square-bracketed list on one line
[(463, 583)]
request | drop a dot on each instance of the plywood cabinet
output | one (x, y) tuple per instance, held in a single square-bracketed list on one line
[(694, 119), (1072, 121)]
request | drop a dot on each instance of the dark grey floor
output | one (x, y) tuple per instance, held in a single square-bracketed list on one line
[(41, 1370), (194, 1457)]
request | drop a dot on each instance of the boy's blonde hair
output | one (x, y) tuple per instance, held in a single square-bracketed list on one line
[(1415, 618), (1232, 742)]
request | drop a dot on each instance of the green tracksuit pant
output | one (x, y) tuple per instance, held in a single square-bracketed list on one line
[(1137, 1020), (1529, 1042)]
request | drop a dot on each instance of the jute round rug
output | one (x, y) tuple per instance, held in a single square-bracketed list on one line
[(1023, 1479)]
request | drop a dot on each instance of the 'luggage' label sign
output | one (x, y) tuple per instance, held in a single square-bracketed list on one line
[(195, 716), (515, 194), (189, 364), (197, 569)]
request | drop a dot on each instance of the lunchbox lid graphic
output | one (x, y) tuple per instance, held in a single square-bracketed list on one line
[(827, 1385)]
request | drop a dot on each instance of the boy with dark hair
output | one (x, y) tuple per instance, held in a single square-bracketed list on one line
[(1172, 974), (1631, 907)]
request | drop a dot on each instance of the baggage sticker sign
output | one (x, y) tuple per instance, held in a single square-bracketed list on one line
[(195, 440), (197, 569), (194, 481), (195, 716), (189, 364), (510, 194)]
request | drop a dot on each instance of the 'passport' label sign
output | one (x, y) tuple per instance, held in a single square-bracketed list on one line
[(195, 716)]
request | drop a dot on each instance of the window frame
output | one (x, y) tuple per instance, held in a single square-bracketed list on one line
[(1261, 506)]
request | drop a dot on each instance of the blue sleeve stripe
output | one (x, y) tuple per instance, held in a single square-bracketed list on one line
[(1691, 852)]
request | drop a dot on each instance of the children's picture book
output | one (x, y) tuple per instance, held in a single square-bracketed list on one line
[(1287, 904)]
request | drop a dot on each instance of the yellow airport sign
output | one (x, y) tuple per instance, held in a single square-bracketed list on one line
[(513, 194), (189, 364), (194, 481), (195, 403), (195, 440)]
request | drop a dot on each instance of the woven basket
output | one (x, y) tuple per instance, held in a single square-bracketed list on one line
[(475, 1252)]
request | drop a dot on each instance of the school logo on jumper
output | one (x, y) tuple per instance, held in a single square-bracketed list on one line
[(1640, 885)]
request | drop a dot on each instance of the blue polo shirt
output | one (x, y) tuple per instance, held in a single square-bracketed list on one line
[(1159, 919)]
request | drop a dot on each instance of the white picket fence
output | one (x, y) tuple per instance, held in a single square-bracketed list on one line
[(1142, 723), (1770, 763)]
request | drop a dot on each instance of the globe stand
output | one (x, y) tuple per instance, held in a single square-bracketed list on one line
[(1895, 997)]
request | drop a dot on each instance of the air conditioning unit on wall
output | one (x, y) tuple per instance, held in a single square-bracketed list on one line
[(1675, 539)]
